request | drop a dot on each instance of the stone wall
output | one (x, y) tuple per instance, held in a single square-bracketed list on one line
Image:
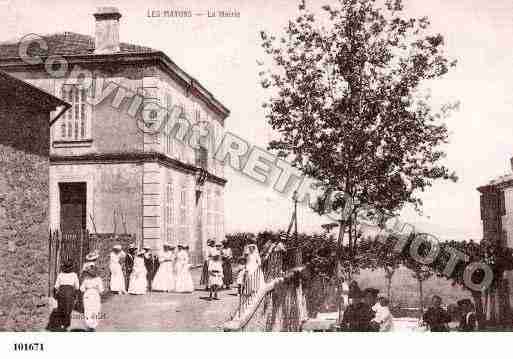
[(23, 218)]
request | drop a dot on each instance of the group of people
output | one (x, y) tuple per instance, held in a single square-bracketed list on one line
[(458, 317), (65, 291), (168, 271), (217, 268), (255, 270), (368, 311), (134, 272)]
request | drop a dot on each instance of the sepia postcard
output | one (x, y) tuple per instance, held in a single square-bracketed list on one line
[(256, 166)]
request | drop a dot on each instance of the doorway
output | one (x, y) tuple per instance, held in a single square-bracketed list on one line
[(73, 196)]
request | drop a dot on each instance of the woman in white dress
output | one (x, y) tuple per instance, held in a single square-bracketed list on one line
[(255, 277), (184, 282), (165, 279), (138, 281), (92, 287), (117, 279)]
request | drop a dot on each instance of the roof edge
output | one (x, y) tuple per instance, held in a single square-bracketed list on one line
[(48, 97), (191, 83)]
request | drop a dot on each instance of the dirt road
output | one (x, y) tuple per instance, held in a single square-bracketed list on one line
[(165, 311)]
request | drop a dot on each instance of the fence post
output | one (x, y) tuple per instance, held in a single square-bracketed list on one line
[(81, 258), (50, 263)]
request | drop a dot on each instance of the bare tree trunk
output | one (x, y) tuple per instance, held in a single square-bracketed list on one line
[(421, 293), (478, 300), (389, 273), (341, 231)]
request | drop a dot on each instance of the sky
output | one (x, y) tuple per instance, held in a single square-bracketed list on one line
[(222, 54)]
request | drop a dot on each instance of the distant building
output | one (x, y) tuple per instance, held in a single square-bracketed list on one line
[(106, 175), (497, 218), (26, 114)]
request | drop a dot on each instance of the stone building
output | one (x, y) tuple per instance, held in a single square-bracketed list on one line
[(25, 119), (497, 218), (106, 174)]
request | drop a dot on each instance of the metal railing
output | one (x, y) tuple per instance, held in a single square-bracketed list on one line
[(278, 300)]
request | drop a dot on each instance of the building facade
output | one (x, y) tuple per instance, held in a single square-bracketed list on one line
[(24, 167), (497, 219), (115, 164)]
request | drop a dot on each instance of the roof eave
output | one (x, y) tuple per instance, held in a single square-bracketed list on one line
[(158, 56)]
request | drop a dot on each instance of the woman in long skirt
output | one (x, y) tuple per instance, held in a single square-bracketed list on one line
[(117, 279), (227, 256), (138, 281), (184, 283), (66, 287), (92, 287), (254, 279), (165, 279)]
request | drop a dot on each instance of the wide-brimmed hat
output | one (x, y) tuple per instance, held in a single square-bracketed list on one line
[(140, 252), (167, 245), (132, 246), (117, 247), (92, 256), (211, 242), (219, 244)]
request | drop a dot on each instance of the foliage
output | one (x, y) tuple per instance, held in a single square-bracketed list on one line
[(347, 102)]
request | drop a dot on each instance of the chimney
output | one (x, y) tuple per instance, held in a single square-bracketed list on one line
[(106, 36)]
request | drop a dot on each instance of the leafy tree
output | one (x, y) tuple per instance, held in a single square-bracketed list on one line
[(421, 273), (348, 103)]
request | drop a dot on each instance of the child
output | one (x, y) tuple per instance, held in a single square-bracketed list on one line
[(241, 274), (383, 316), (92, 287), (215, 275), (65, 290)]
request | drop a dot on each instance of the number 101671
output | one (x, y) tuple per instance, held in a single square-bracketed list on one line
[(28, 347)]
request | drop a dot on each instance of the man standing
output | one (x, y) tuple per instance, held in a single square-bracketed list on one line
[(210, 252), (436, 317), (151, 264), (129, 262)]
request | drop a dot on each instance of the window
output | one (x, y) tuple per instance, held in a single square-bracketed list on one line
[(169, 213), (215, 219), (75, 123), (210, 215), (169, 141), (197, 115), (202, 157), (184, 223), (181, 145), (219, 214)]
